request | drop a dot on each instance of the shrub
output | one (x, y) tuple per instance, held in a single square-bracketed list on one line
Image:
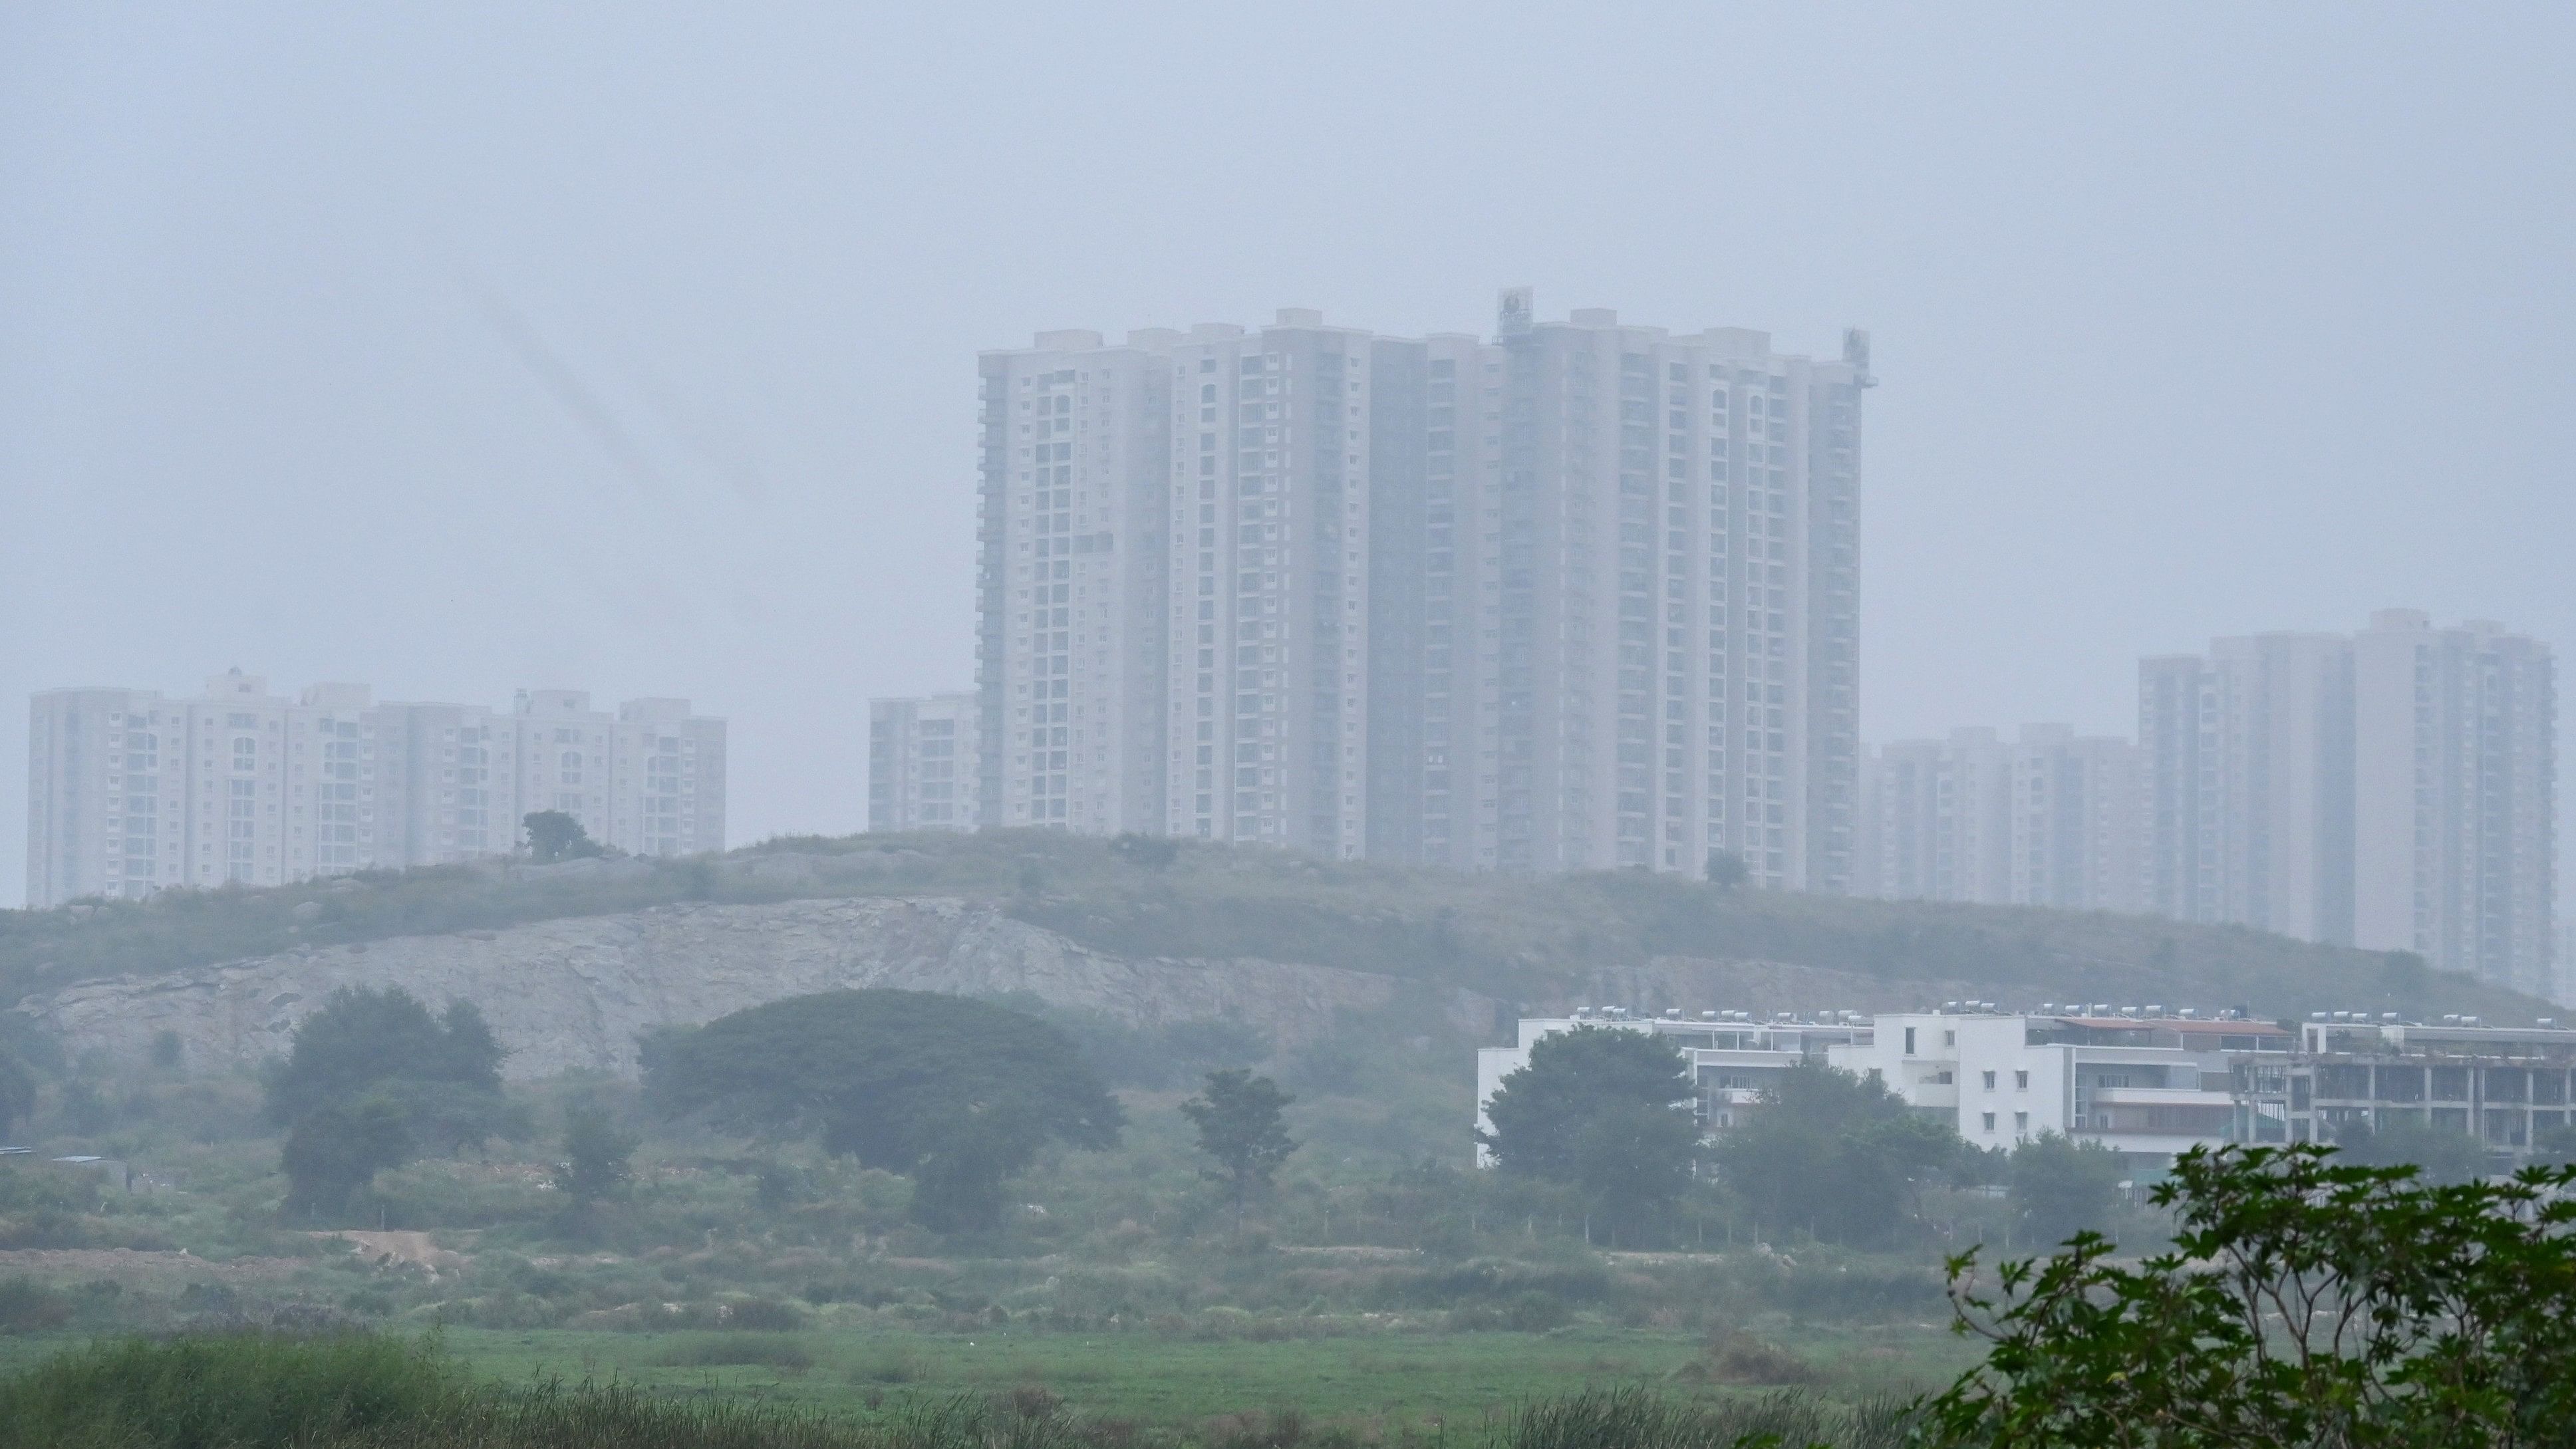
[(718, 1350), (229, 1388), (27, 1306), (763, 1315), (1738, 1357)]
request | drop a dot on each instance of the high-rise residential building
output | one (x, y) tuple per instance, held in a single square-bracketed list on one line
[(922, 757), (2075, 820), (1580, 597), (1265, 710), (560, 746), (2393, 789), (2454, 799), (446, 780), (2047, 820), (1664, 541), (667, 780), (1072, 583), (2248, 764), (130, 792)]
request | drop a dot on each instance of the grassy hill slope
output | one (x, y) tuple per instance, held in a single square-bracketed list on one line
[(1511, 938)]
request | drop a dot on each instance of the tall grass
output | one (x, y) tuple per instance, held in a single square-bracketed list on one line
[(367, 1391), (1637, 1418)]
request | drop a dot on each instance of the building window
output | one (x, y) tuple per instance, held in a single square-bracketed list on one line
[(2021, 1123), (1990, 1121), (1990, 1081), (2021, 1081)]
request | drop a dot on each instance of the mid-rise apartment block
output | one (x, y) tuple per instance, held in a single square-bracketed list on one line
[(2393, 789), (130, 792), (2146, 1082), (1581, 596), (922, 763), (2049, 819)]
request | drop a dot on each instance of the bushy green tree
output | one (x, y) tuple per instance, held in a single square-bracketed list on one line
[(2309, 1303), (554, 835), (364, 1037), (334, 1150), (1604, 1109), (369, 1057), (17, 1090), (2062, 1186), (960, 1094), (1835, 1153), (1241, 1124), (598, 1158), (1726, 869)]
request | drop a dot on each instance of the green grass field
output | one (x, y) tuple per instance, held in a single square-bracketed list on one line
[(1387, 1381)]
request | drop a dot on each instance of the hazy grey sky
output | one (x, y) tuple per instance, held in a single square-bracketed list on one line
[(460, 348)]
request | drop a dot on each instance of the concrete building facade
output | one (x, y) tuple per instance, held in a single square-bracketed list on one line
[(2508, 1087), (2143, 1082), (922, 756), (2455, 799), (2393, 789), (2248, 753), (2049, 819), (130, 792), (1582, 596)]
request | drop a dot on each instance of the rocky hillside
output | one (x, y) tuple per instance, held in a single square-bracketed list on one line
[(571, 961), (577, 993)]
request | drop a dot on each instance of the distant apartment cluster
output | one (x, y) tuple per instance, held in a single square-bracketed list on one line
[(130, 792), (2393, 789), (1580, 596)]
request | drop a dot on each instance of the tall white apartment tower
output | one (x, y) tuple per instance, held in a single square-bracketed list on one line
[(1266, 711), (2455, 792), (1074, 520), (445, 778), (922, 756), (1580, 597), (2075, 820), (107, 798), (560, 748), (2047, 820), (2247, 754), (1674, 521), (667, 780)]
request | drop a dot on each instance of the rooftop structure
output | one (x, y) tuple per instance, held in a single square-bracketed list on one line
[(2145, 1081), (2507, 1086)]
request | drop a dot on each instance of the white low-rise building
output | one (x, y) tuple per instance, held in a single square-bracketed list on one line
[(1732, 1056), (2145, 1082)]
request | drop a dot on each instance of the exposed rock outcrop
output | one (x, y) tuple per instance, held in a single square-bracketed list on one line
[(576, 993)]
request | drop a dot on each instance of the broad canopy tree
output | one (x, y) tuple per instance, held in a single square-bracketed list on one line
[(554, 836), (1600, 1108), (960, 1094), (372, 1078), (1834, 1153)]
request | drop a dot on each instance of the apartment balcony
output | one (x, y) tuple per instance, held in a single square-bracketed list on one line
[(2159, 1097)]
